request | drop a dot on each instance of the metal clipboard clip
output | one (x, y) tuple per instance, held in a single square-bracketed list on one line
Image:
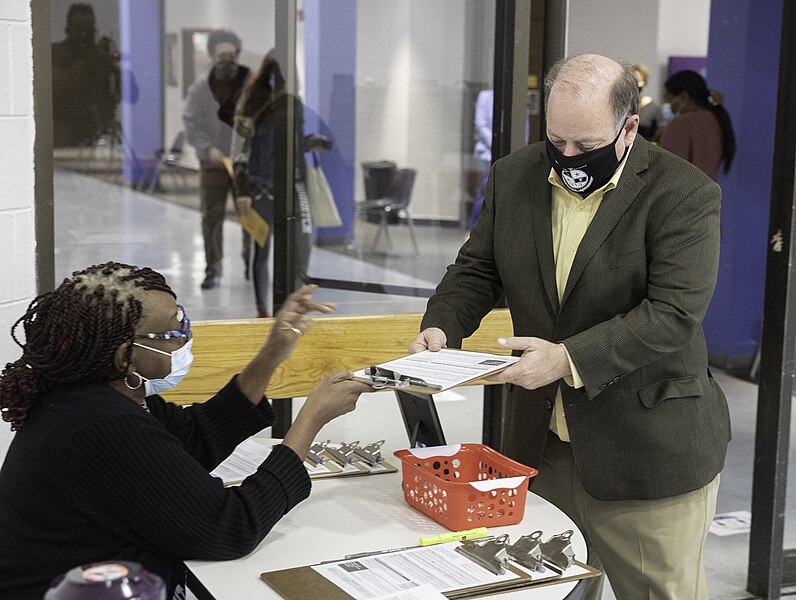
[(490, 554), (558, 550), (344, 454), (527, 551), (370, 454), (381, 378), (316, 455)]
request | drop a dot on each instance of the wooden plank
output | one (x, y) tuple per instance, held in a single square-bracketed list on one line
[(223, 348)]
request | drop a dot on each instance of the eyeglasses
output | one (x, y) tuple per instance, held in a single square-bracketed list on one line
[(183, 332)]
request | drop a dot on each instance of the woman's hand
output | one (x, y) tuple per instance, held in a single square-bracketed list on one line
[(335, 395), (291, 323), (242, 205)]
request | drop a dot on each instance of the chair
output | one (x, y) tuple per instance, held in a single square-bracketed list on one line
[(169, 159), (388, 210)]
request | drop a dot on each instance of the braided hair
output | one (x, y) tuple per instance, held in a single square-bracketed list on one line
[(72, 333)]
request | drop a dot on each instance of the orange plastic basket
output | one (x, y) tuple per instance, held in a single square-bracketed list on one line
[(465, 485)]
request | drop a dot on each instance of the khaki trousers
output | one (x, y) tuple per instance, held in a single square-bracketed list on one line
[(649, 549)]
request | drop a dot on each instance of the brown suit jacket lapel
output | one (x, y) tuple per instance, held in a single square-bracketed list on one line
[(614, 205), (542, 226)]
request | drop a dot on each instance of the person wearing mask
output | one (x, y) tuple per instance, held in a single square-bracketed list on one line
[(650, 115), (606, 248), (103, 468), (86, 84), (701, 131), (261, 111), (208, 117)]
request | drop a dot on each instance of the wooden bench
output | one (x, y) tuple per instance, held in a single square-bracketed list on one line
[(223, 348)]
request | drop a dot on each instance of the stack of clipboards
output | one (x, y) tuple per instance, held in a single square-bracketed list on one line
[(458, 570), (326, 459)]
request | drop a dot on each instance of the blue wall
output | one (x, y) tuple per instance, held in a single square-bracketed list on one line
[(139, 22), (743, 62), (330, 49)]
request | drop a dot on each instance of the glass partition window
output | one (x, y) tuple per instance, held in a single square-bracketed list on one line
[(165, 111)]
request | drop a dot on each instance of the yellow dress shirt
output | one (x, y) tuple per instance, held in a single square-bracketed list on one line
[(571, 214)]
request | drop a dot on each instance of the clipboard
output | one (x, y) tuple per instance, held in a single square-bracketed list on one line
[(432, 372), (328, 468), (303, 582)]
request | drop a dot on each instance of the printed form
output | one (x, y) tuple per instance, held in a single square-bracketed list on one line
[(444, 369), (438, 567)]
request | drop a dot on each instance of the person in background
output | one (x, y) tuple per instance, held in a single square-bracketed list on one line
[(701, 131), (103, 468), (260, 112), (606, 249), (86, 84), (482, 151), (650, 114), (208, 117)]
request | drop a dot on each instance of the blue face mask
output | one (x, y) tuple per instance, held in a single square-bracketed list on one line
[(181, 360)]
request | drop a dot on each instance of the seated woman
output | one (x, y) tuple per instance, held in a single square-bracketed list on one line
[(101, 467)]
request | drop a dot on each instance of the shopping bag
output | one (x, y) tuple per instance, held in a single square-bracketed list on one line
[(322, 204)]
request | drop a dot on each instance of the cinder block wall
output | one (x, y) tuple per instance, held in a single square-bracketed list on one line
[(17, 133)]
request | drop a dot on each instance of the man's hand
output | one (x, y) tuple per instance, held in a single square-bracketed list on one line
[(433, 339), (542, 362)]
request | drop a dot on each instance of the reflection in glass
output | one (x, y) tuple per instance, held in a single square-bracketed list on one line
[(140, 175), (262, 110), (208, 117)]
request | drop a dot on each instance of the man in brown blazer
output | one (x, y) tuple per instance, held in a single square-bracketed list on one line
[(607, 249)]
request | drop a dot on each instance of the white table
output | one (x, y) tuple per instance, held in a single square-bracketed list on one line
[(348, 515)]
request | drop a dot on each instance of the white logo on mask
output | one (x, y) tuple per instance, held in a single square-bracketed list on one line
[(575, 179)]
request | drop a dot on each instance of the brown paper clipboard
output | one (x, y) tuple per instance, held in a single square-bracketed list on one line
[(299, 583)]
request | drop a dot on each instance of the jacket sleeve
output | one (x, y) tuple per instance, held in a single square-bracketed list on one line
[(682, 268), (195, 119), (242, 136), (210, 431), (472, 286), (153, 494)]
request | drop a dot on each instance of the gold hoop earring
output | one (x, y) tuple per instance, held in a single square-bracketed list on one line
[(134, 387)]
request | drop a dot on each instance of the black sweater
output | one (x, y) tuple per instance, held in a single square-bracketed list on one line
[(94, 477)]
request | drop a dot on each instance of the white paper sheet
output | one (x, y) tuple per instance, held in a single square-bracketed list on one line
[(731, 523), (243, 461), (446, 368), (250, 454), (438, 566)]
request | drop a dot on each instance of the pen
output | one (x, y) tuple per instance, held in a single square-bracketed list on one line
[(454, 536), (420, 383)]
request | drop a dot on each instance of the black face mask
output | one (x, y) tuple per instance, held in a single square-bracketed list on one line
[(584, 173), (226, 70)]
